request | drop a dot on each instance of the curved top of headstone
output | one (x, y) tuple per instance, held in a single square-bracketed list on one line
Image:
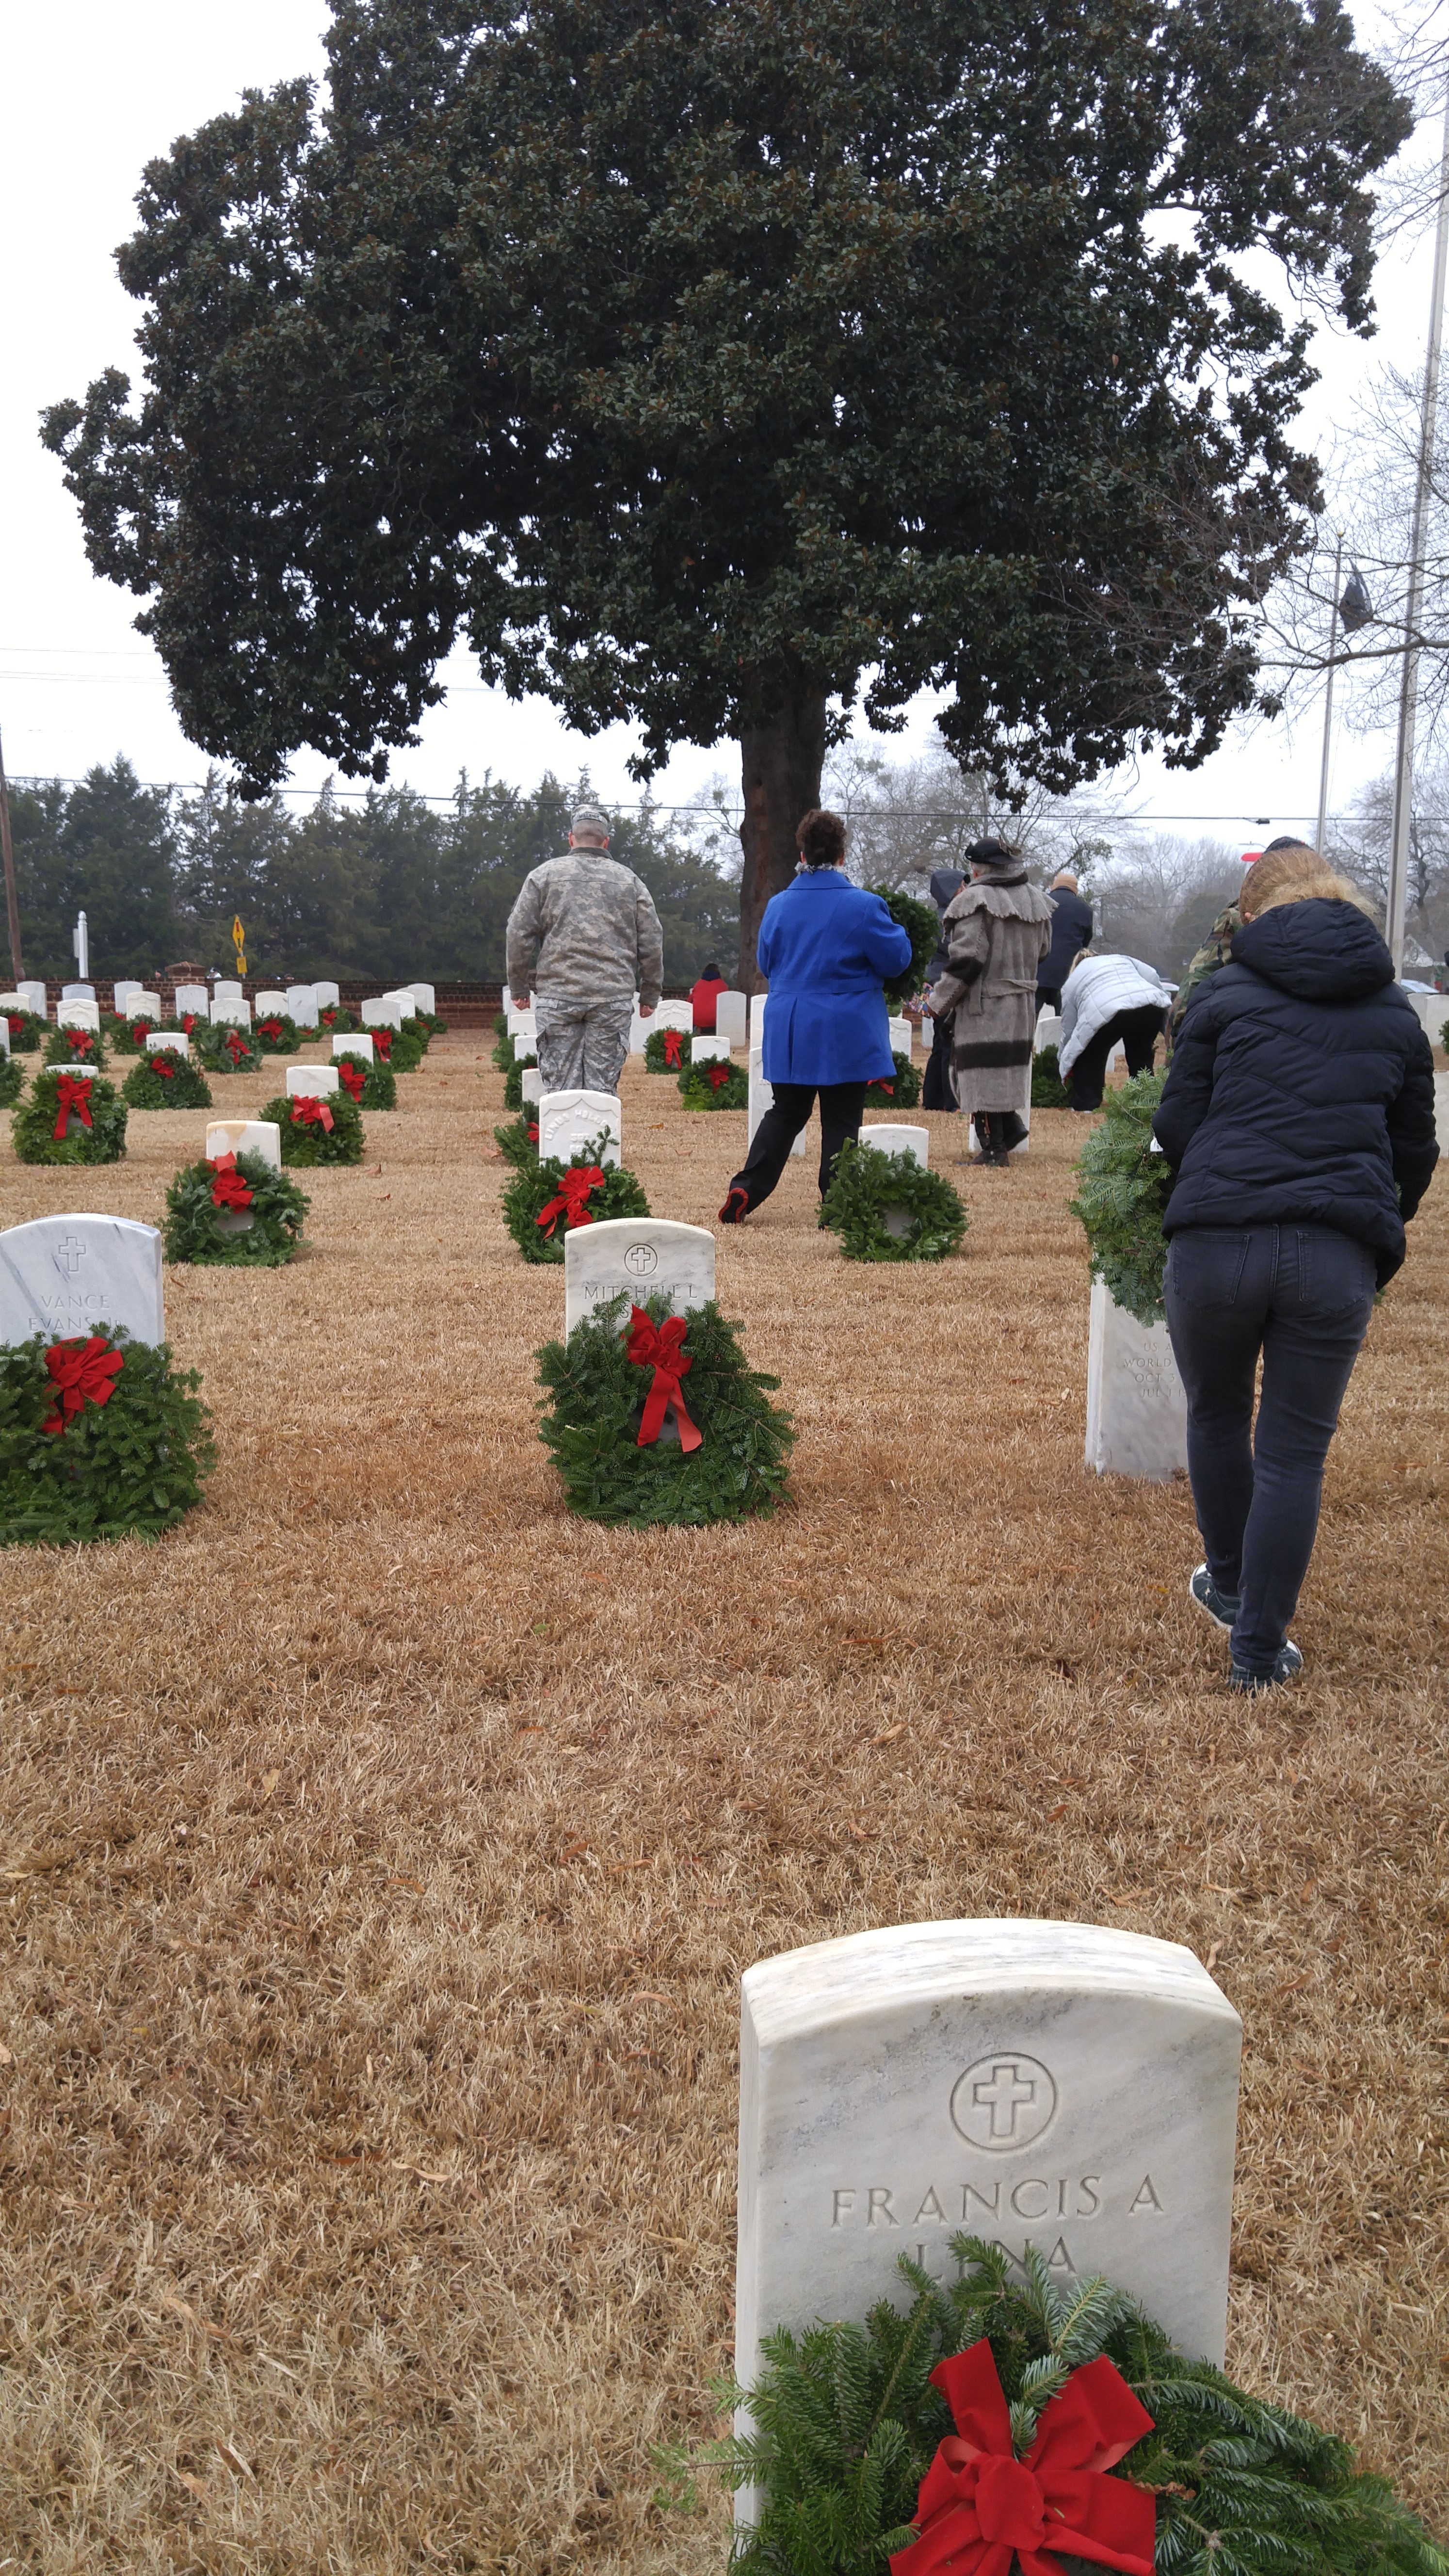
[(66, 1275), (888, 1136), (637, 1257)]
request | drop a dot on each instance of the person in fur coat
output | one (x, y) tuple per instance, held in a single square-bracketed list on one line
[(997, 931)]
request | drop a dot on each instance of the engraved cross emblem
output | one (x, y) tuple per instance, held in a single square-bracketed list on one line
[(641, 1258), (1006, 2093), (69, 1255)]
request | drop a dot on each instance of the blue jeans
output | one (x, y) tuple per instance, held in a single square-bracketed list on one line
[(1301, 1295)]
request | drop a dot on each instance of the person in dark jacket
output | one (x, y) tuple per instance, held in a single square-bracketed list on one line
[(937, 1090), (1298, 1119), (1071, 933), (827, 947)]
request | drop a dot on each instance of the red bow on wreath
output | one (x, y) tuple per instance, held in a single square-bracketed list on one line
[(188, 1021), (140, 1031), (980, 2506), (353, 1076), (164, 1062), (79, 1041), (228, 1188), (660, 1347), (719, 1074), (533, 1136), (17, 1024), (270, 1028), (72, 1092), (312, 1113), (81, 1373), (382, 1041), (674, 1049), (578, 1182), (236, 1046)]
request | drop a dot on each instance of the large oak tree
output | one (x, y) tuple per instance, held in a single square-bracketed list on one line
[(712, 365)]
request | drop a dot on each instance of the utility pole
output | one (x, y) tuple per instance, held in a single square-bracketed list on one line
[(1409, 675), (7, 859), (1328, 697)]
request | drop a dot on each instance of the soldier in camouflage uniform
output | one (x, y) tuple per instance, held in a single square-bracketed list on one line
[(582, 938), (1215, 951)]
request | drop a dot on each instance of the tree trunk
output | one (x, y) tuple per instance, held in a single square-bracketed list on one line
[(781, 764)]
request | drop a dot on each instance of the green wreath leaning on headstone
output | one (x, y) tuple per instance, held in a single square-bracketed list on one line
[(85, 1047), (69, 1117), (100, 1437), (317, 1130), (546, 1199), (887, 1207), (1122, 1192), (898, 1090), (236, 1212), (166, 1080), (611, 1388), (12, 1080)]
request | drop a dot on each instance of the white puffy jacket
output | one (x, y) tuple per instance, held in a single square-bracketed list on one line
[(1095, 991)]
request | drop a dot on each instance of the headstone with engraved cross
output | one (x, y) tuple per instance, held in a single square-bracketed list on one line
[(1064, 2085), (69, 1275), (636, 1257)]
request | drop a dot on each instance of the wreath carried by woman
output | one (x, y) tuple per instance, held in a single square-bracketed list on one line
[(223, 1047), (666, 1050), (1123, 1186), (70, 1118), (545, 1200), (655, 1419), (898, 1090), (76, 1046), (368, 1082), (922, 927), (888, 1207), (206, 1200), (166, 1080), (27, 1031), (715, 1084), (317, 1128), (100, 1437)]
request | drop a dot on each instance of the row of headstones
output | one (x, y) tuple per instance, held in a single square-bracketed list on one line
[(738, 1022), (227, 1006)]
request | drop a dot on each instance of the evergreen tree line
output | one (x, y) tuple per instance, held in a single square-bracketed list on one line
[(388, 887)]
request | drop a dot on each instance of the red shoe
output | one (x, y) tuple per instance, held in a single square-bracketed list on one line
[(736, 1207)]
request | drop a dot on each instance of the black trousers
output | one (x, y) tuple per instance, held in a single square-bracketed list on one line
[(1302, 1295), (1139, 1032), (1048, 997), (840, 1106), (937, 1090)]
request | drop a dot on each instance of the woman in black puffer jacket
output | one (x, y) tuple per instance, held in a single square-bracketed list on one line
[(1298, 1118)]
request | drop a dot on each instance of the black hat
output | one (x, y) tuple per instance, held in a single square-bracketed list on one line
[(992, 854)]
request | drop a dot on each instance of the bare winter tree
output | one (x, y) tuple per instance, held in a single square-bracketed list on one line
[(1359, 846)]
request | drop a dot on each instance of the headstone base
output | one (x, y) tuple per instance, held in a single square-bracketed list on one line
[(1136, 1408)]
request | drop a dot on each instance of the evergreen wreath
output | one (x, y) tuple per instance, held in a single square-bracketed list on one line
[(325, 1130), (99, 1436), (659, 1045), (12, 1080), (847, 2425), (27, 1031), (518, 1141), (433, 1024), (901, 1089), (128, 1036), (222, 1047), (409, 1046), (923, 924), (591, 1422), (377, 1088), (513, 1081), (541, 1204), (715, 1084), (502, 1043), (1122, 1189), (85, 1047), (32, 1129), (337, 1020), (1443, 1037), (202, 1193), (1048, 1091), (277, 1034), (868, 1186), (166, 1080)]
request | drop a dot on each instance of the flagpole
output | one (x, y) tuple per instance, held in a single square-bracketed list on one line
[(1328, 698), (1409, 675)]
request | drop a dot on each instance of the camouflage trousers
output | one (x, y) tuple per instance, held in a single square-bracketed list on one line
[(581, 1045)]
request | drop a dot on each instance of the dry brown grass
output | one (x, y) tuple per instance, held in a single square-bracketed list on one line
[(383, 1850)]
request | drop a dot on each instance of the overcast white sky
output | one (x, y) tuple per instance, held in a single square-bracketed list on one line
[(92, 96)]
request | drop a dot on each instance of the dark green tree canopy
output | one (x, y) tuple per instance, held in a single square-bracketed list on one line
[(704, 366)]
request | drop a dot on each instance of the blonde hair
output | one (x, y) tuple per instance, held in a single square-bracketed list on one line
[(1294, 875)]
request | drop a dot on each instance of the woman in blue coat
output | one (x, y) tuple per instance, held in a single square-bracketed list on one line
[(825, 946)]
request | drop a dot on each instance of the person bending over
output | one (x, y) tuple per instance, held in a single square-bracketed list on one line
[(826, 947), (1107, 1000), (583, 936), (1298, 1119)]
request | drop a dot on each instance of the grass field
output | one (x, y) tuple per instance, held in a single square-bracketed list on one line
[(382, 1851)]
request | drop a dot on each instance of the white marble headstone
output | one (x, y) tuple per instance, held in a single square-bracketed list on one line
[(637, 1257), (379, 1013), (269, 1005), (32, 995), (228, 984), (167, 1042), (708, 1050), (423, 995), (67, 1275), (532, 1085), (77, 992), (523, 1029), (732, 1017), (302, 1005), (569, 1120), (1065, 2085), (121, 991), (5, 1032), (1441, 1111), (890, 1139), (1136, 1408), (506, 998), (192, 999), (640, 1029), (328, 996), (672, 1015), (311, 1081), (1433, 1011), (357, 1042), (229, 1011), (244, 1136), (757, 1017), (1048, 1030), (762, 1097), (900, 1037), (78, 1015)]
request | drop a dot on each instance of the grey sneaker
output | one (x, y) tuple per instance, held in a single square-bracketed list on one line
[(1221, 1607), (1286, 1668)]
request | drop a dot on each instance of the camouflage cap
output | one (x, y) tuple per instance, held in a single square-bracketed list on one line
[(589, 819)]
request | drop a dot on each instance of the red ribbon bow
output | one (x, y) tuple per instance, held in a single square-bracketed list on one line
[(979, 2505), (188, 1021), (533, 1140), (353, 1076), (140, 1031), (382, 1041), (236, 1045), (17, 1024), (72, 1091), (719, 1075), (81, 1373), (660, 1347), (577, 1183), (164, 1062), (228, 1187), (270, 1028), (312, 1113), (674, 1049), (79, 1041)]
